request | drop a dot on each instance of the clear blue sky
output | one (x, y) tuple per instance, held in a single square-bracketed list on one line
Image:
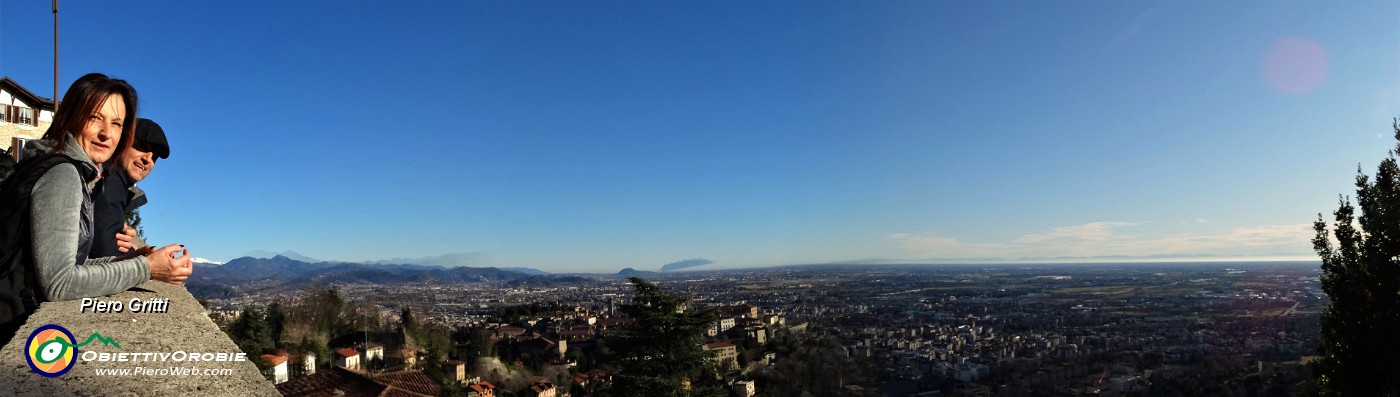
[(591, 136)]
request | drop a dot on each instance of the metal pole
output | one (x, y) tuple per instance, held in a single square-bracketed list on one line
[(55, 57)]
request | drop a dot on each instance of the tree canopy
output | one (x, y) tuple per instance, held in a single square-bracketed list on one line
[(1360, 351), (661, 351)]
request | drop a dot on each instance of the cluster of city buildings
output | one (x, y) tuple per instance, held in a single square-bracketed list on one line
[(1092, 330)]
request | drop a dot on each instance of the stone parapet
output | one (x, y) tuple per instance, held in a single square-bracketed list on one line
[(151, 341)]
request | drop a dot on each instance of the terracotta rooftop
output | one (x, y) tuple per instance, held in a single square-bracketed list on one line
[(343, 382), (274, 360), (347, 352), (332, 382), (410, 381)]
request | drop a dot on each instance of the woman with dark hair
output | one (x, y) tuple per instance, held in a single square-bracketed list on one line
[(97, 116)]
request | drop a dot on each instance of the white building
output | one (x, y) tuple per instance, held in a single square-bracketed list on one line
[(22, 113), (278, 365), (347, 358), (308, 364)]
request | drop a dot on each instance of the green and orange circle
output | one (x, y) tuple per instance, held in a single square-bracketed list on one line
[(50, 350)]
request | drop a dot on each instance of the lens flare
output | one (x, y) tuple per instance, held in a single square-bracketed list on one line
[(1294, 65)]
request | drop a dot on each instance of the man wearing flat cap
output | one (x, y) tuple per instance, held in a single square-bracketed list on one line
[(119, 194)]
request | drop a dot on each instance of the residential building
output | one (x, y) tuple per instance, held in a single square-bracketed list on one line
[(347, 358), (22, 113), (308, 364), (480, 388), (541, 388), (724, 324), (455, 371), (726, 355), (277, 364), (744, 388)]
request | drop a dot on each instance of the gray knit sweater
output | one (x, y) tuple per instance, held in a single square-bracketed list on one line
[(62, 230)]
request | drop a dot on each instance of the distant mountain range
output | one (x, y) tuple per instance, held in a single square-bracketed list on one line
[(470, 259), (288, 253), (248, 274)]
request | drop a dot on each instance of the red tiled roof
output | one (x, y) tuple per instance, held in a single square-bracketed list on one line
[(397, 392), (332, 382), (347, 352), (342, 382), (412, 381), (274, 360)]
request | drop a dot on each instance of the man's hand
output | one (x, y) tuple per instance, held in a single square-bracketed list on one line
[(126, 239), (165, 266)]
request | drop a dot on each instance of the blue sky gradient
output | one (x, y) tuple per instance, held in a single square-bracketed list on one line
[(591, 136)]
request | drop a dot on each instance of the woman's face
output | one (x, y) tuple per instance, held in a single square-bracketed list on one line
[(103, 129)]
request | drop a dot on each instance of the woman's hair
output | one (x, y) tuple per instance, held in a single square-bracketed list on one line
[(82, 100)]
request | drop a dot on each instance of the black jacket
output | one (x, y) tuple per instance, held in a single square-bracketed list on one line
[(109, 207)]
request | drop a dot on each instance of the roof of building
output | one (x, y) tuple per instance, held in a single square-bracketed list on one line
[(333, 382), (25, 95), (541, 386), (410, 381), (718, 345), (274, 359), (482, 387), (347, 352)]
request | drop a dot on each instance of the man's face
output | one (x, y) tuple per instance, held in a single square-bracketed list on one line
[(138, 161)]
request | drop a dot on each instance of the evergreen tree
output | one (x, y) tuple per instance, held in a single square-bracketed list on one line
[(661, 350), (1360, 351), (410, 326), (250, 331), (276, 322)]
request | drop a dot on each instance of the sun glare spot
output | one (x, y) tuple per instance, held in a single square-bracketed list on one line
[(1295, 65)]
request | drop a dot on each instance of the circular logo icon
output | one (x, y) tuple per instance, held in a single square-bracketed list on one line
[(50, 351)]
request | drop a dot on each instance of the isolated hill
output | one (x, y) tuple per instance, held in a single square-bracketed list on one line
[(629, 272)]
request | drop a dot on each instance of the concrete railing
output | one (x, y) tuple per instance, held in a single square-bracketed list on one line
[(161, 343)]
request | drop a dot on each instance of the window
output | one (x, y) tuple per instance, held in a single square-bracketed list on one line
[(19, 115)]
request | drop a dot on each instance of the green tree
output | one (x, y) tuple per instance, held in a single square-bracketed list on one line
[(276, 322), (1360, 352), (410, 326), (250, 331), (322, 352), (662, 348), (478, 341)]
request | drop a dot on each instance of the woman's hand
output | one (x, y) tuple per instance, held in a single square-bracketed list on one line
[(165, 266)]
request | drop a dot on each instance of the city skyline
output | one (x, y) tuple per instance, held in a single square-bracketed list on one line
[(592, 137)]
